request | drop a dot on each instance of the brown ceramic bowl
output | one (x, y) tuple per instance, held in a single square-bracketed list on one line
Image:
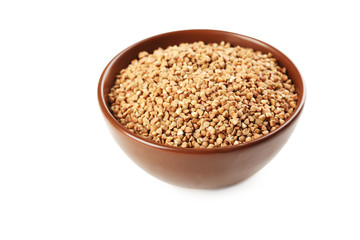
[(198, 168)]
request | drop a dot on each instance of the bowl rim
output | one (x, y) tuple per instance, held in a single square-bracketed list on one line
[(111, 119)]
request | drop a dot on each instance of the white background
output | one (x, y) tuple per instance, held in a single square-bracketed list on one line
[(62, 176)]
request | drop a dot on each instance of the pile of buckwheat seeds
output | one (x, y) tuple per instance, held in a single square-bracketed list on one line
[(198, 95)]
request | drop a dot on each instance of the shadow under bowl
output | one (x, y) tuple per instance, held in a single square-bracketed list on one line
[(189, 167)]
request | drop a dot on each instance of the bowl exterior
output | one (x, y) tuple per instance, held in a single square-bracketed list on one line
[(202, 170), (198, 168)]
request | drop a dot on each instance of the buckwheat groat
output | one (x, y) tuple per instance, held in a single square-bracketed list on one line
[(203, 95)]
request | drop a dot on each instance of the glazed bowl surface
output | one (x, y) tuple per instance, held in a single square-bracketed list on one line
[(198, 167)]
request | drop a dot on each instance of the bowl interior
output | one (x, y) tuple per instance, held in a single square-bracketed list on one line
[(123, 59)]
